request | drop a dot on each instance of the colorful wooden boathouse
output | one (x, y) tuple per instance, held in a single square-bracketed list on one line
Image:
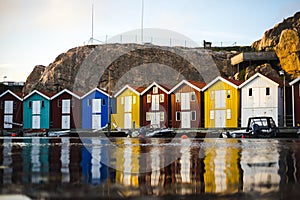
[(11, 110), (65, 110), (222, 103), (36, 109), (128, 102), (94, 109), (155, 106), (186, 104)]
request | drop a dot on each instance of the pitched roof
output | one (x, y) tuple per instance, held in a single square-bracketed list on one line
[(255, 76), (17, 95), (164, 88), (67, 91), (295, 81), (194, 84), (231, 82), (46, 95), (94, 90), (136, 90)]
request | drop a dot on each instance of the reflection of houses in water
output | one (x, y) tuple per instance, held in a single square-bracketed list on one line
[(222, 170), (127, 161), (259, 161), (94, 159)]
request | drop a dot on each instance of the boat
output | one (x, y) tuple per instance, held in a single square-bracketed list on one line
[(154, 132), (57, 133), (257, 127)]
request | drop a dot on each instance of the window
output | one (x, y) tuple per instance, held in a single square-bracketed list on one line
[(30, 104), (162, 116), (103, 102), (212, 94), (250, 92), (59, 103), (228, 94), (161, 98), (148, 118), (122, 100), (211, 114), (177, 96), (43, 104), (89, 102), (177, 116), (193, 113), (228, 113), (133, 99), (193, 96), (155, 90), (148, 98), (267, 91)]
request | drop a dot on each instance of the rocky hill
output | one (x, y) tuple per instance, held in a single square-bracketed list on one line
[(113, 65), (284, 39), (83, 68)]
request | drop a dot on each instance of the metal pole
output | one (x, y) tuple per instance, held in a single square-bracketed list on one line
[(142, 23), (109, 105)]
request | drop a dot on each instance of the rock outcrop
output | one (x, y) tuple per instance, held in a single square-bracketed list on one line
[(284, 39), (113, 65), (288, 52)]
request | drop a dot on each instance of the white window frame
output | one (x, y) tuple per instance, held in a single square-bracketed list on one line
[(212, 114), (195, 114)]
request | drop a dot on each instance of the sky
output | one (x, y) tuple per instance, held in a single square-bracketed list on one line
[(35, 32)]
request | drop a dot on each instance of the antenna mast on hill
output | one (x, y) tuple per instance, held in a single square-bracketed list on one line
[(92, 39)]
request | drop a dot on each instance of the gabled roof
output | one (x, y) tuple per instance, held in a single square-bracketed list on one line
[(295, 81), (231, 82), (94, 90), (67, 91), (136, 90), (163, 88), (18, 96), (261, 76), (193, 84), (46, 96)]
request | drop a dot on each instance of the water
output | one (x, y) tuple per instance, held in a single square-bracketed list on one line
[(141, 168)]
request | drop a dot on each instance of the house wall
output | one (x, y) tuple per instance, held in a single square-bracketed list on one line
[(259, 104), (163, 108), (87, 110), (297, 104), (56, 111), (45, 111), (231, 110), (118, 118), (194, 106), (17, 110)]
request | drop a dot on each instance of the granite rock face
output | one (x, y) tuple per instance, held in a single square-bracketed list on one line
[(111, 66), (284, 39)]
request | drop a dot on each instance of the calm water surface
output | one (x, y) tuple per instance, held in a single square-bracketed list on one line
[(141, 168)]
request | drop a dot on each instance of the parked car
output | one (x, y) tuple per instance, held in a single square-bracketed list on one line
[(258, 127)]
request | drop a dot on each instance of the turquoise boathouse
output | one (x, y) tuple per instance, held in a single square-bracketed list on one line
[(36, 110)]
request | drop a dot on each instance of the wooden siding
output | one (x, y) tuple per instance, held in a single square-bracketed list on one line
[(232, 105), (17, 115), (259, 104), (119, 118), (297, 104), (86, 109), (44, 112), (56, 111), (194, 106), (163, 107)]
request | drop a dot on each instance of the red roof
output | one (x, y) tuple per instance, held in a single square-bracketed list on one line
[(236, 82), (198, 84)]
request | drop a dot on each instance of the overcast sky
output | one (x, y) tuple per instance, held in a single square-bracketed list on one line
[(34, 32)]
